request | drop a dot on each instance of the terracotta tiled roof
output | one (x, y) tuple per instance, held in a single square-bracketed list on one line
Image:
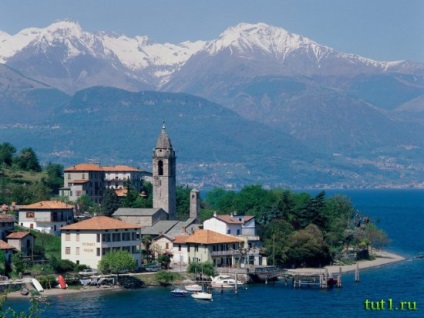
[(230, 219), (211, 237), (101, 223), (121, 192), (120, 168), (4, 218), (18, 235), (84, 167), (5, 246), (43, 205), (180, 239)]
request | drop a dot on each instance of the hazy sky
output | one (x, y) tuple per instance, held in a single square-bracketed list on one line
[(378, 29)]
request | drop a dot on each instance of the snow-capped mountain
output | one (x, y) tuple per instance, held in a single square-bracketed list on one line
[(329, 101), (69, 58)]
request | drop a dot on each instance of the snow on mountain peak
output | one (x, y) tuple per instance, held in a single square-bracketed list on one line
[(244, 38)]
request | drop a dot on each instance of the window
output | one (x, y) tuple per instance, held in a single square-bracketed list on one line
[(78, 237), (160, 167), (30, 215), (98, 238), (77, 251), (67, 250), (238, 231), (83, 176), (67, 237), (98, 251), (116, 237), (179, 247), (167, 246), (228, 231)]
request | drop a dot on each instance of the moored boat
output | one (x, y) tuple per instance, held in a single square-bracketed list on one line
[(224, 281), (202, 295), (179, 292), (193, 288)]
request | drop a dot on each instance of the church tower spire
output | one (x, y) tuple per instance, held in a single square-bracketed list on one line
[(164, 176)]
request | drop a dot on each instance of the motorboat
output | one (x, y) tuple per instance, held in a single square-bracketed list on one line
[(202, 295), (179, 292), (193, 288), (224, 281)]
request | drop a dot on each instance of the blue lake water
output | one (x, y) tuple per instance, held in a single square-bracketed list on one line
[(399, 212)]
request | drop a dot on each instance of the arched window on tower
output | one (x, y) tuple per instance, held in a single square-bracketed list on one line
[(160, 168)]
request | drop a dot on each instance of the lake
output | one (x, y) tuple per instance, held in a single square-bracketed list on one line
[(401, 285)]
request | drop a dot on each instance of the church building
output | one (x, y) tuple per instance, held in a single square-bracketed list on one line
[(164, 175)]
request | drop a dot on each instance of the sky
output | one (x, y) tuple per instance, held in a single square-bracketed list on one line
[(383, 30)]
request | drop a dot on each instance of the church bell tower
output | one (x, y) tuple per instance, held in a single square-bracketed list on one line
[(164, 183)]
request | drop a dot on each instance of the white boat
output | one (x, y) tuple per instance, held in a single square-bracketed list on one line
[(37, 285), (179, 292), (202, 295), (224, 281), (193, 288)]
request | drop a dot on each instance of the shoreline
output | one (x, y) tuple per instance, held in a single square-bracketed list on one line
[(382, 258)]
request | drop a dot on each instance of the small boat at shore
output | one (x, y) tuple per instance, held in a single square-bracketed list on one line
[(193, 288), (224, 281), (202, 295), (24, 291), (179, 292)]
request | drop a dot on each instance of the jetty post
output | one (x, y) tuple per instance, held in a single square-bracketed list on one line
[(357, 273), (339, 278)]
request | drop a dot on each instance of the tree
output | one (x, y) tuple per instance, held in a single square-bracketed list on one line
[(27, 160), (307, 247), (110, 202), (205, 268), (18, 263), (183, 202), (116, 262), (54, 178), (27, 194), (7, 152), (84, 204), (164, 277)]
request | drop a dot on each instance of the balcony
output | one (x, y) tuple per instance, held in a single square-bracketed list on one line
[(230, 252)]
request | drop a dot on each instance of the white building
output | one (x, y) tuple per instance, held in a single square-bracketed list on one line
[(238, 225), (92, 179), (46, 216), (243, 227), (86, 242)]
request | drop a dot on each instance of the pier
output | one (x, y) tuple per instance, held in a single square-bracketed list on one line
[(300, 278)]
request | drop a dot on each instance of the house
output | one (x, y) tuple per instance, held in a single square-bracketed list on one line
[(86, 242), (8, 251), (210, 246), (91, 179), (143, 217), (7, 225), (243, 227), (22, 242), (231, 224), (164, 234), (46, 216), (117, 177)]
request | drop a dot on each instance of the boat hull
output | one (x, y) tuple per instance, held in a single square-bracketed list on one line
[(202, 296)]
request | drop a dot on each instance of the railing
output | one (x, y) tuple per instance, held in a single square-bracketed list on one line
[(225, 253)]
